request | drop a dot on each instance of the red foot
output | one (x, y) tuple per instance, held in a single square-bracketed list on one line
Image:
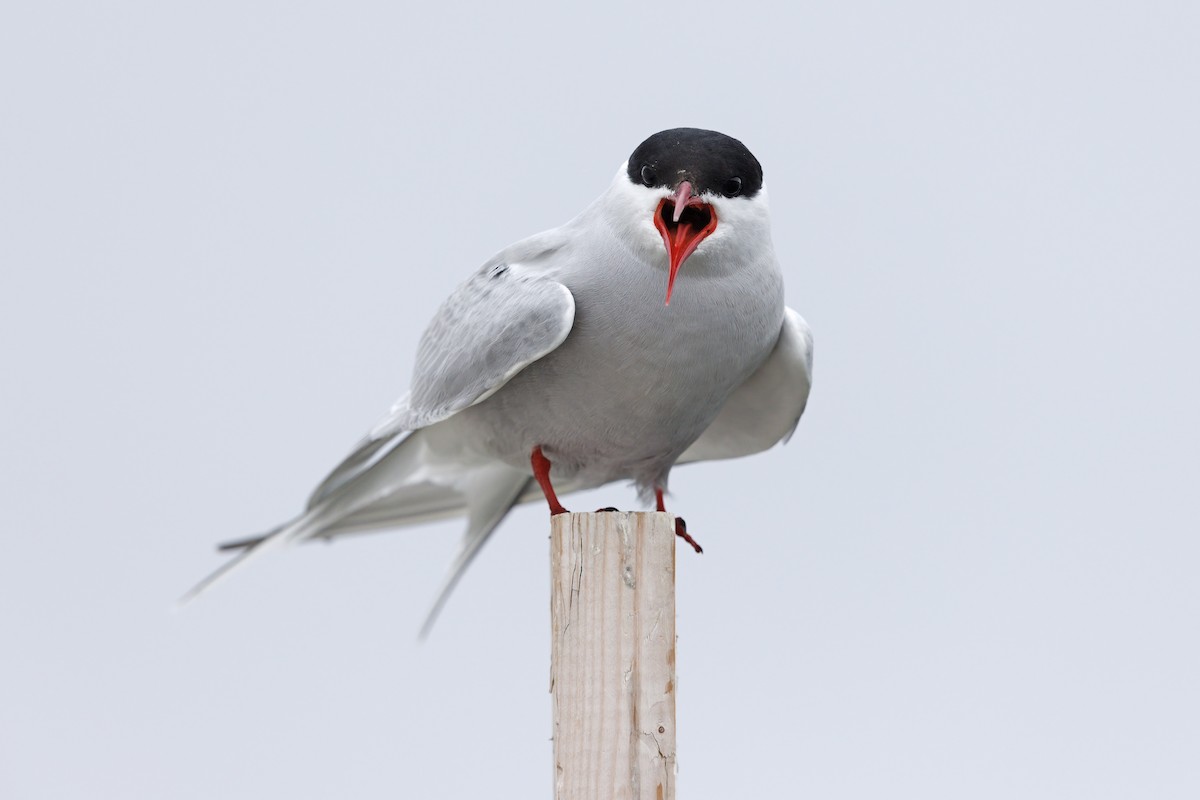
[(680, 525), (681, 532), (541, 473)]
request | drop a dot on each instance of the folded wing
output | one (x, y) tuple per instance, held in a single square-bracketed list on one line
[(493, 326), (766, 408), (504, 318)]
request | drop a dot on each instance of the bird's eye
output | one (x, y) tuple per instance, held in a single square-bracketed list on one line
[(732, 187), (648, 176)]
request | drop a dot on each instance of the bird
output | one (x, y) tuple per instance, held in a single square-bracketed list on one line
[(650, 330)]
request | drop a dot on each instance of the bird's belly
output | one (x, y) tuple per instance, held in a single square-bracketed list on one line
[(628, 391)]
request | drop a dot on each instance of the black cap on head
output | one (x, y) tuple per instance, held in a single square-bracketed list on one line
[(712, 161)]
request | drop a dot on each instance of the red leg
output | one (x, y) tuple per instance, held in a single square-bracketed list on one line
[(680, 525), (541, 472)]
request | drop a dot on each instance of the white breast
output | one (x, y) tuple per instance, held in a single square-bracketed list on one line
[(635, 382)]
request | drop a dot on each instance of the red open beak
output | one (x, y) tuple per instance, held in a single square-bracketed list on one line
[(684, 221)]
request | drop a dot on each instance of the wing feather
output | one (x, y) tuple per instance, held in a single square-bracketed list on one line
[(767, 407), (505, 317), (496, 324)]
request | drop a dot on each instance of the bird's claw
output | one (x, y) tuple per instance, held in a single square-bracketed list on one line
[(681, 532)]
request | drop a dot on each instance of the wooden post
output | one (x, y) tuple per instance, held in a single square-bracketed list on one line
[(612, 671)]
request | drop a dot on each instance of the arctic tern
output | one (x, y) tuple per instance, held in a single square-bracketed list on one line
[(648, 331)]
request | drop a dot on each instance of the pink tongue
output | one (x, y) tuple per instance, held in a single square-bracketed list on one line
[(683, 193)]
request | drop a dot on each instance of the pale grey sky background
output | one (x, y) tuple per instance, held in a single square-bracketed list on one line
[(973, 573)]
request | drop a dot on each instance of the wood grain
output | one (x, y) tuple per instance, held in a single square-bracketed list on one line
[(613, 655)]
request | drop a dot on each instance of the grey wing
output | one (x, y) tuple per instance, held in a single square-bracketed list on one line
[(500, 321), (767, 407), (491, 328)]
